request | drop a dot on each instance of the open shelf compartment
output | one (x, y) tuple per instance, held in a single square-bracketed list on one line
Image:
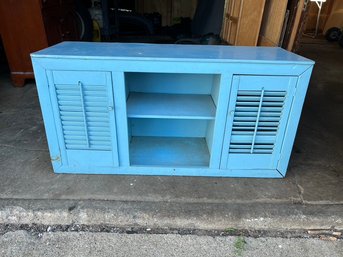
[(171, 118), (169, 151), (171, 95)]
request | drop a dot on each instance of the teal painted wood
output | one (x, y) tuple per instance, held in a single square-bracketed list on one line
[(169, 127), (83, 110), (192, 53), (257, 119), (170, 109), (169, 151), (167, 106)]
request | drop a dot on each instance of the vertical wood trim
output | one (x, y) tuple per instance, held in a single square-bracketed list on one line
[(221, 113), (272, 23), (223, 33), (112, 118), (55, 116), (242, 21), (47, 113), (118, 79), (299, 33), (239, 21), (228, 118), (296, 24)]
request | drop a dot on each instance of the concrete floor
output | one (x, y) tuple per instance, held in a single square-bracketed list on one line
[(315, 174), (56, 244)]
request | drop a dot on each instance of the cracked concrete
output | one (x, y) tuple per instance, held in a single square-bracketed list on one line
[(21, 243), (313, 185)]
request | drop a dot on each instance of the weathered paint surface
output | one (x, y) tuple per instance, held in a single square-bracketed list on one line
[(112, 108)]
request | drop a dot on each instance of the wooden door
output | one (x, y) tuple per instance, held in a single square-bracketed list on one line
[(256, 122), (242, 20), (83, 110)]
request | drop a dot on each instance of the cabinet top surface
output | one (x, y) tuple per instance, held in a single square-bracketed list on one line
[(137, 51)]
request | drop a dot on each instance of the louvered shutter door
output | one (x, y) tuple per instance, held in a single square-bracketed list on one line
[(256, 122), (85, 120)]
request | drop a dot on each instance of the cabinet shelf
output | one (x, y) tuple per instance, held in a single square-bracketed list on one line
[(169, 151), (169, 106)]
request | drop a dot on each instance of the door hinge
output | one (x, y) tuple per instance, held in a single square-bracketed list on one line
[(55, 159)]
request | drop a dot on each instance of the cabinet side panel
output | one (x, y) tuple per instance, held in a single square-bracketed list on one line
[(294, 118), (215, 89), (209, 135)]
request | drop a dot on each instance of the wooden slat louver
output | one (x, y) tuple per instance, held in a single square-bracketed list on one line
[(256, 120), (84, 116)]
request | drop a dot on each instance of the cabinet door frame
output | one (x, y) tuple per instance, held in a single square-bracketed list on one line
[(70, 159), (260, 159)]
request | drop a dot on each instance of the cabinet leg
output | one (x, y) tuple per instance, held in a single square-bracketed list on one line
[(18, 80)]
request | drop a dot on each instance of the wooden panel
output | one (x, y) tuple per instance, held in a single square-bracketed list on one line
[(249, 25), (22, 33), (300, 30), (242, 19), (230, 21), (272, 22), (28, 25), (296, 24)]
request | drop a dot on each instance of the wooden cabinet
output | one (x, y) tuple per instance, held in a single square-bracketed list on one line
[(30, 25), (170, 109)]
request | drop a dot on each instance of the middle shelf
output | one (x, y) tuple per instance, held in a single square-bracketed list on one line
[(170, 106)]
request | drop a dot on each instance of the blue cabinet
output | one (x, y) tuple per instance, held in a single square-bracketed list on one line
[(113, 108)]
